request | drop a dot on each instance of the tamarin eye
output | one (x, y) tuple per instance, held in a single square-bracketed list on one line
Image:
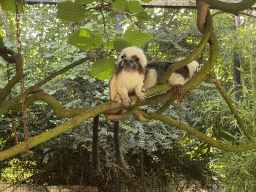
[(123, 56)]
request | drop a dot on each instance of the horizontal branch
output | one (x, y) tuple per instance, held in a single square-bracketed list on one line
[(200, 135), (231, 7), (43, 137), (239, 13), (59, 110)]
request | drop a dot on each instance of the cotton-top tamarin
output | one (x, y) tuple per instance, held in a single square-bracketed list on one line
[(129, 76)]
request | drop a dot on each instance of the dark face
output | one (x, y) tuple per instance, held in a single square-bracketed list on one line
[(130, 63)]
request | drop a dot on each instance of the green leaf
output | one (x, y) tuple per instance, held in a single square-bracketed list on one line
[(146, 1), (103, 68), (143, 16), (120, 44), (117, 44), (4, 67), (135, 6), (240, 69), (113, 14), (120, 5), (9, 5), (84, 39), (137, 38), (97, 41), (84, 2), (70, 11), (108, 45)]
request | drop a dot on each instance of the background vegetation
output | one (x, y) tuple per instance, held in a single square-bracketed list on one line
[(153, 150)]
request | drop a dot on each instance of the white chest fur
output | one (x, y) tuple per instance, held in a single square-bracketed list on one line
[(130, 79)]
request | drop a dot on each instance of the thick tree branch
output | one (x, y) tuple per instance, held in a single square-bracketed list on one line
[(140, 115), (7, 89), (200, 135), (240, 13), (32, 142), (7, 105), (231, 7), (121, 116), (202, 8), (59, 110), (8, 55), (165, 106)]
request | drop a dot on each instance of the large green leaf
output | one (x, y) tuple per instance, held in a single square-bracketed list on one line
[(146, 1), (120, 5), (113, 13), (117, 44), (135, 6), (120, 44), (70, 11), (108, 45), (9, 5), (84, 39), (137, 38), (103, 68), (143, 16), (84, 2)]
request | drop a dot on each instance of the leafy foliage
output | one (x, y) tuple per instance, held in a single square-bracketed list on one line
[(49, 44), (84, 39), (71, 11)]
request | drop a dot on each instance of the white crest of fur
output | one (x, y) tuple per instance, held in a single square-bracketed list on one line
[(131, 51)]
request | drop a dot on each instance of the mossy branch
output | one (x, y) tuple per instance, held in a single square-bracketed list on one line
[(7, 89), (231, 7), (59, 110), (200, 135), (202, 8), (43, 137)]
